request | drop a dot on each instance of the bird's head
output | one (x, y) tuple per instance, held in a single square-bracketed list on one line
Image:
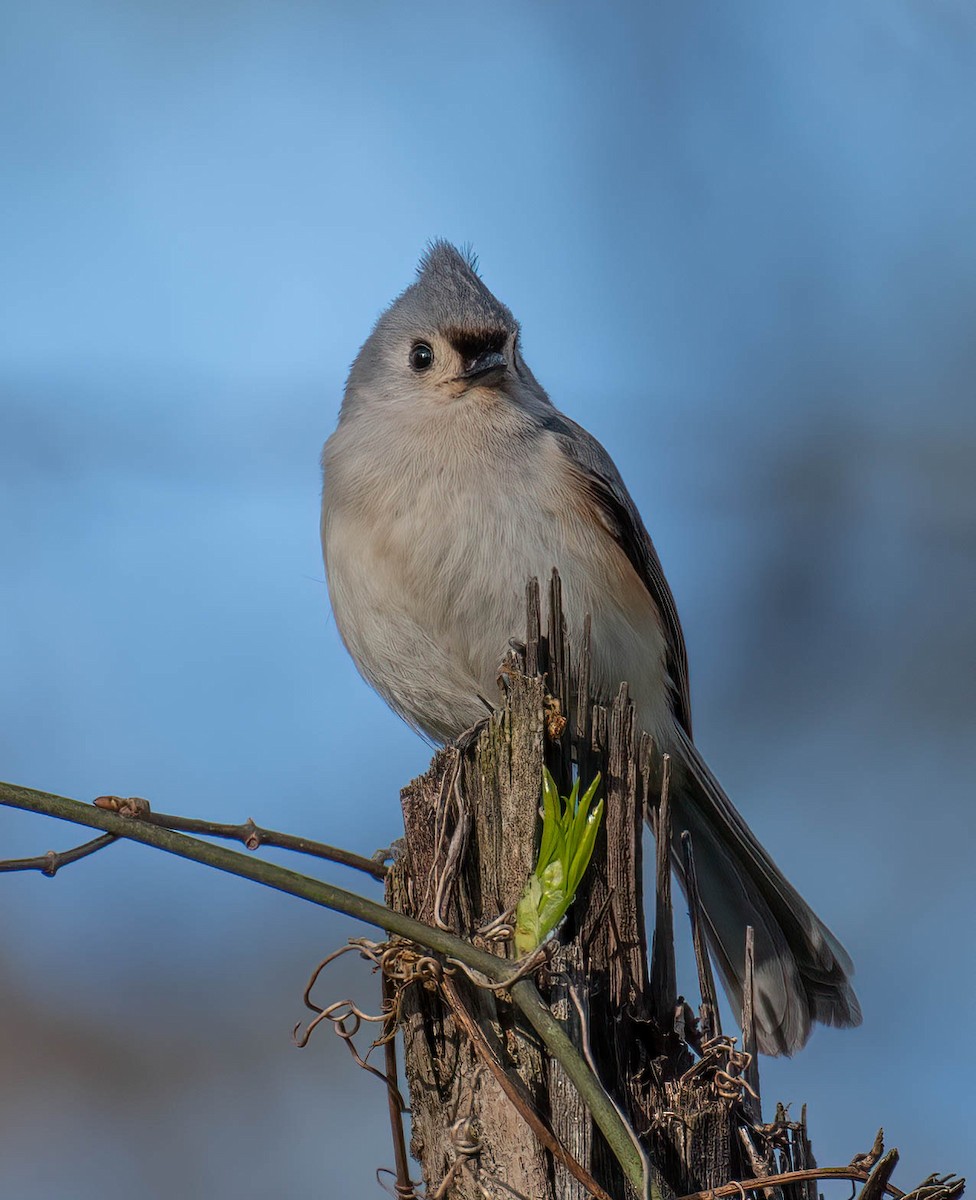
[(445, 337)]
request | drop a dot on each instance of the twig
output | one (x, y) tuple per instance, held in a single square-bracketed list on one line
[(877, 1181), (760, 1168), (602, 1108), (447, 875), (50, 863), (533, 635), (404, 1184), (281, 879), (467, 1146), (938, 1187), (250, 835), (752, 1099), (528, 965), (340, 1014), (653, 1184), (663, 987), (747, 1185), (864, 1161), (514, 1089), (711, 1026), (524, 993)]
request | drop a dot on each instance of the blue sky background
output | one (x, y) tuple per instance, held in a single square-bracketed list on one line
[(740, 240)]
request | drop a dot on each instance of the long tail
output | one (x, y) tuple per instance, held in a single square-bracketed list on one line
[(801, 970)]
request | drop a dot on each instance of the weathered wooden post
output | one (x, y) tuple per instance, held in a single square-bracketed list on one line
[(491, 1113)]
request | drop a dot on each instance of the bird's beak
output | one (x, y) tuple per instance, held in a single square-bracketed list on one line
[(487, 369)]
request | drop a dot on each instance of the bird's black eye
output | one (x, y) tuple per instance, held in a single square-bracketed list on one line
[(421, 357)]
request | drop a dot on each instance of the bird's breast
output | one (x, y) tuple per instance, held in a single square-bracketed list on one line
[(428, 556)]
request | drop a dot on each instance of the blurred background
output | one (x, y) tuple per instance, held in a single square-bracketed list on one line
[(740, 240)]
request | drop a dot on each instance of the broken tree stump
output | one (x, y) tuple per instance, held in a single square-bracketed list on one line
[(491, 1113)]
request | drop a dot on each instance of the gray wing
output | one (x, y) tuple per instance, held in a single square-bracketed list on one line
[(619, 513)]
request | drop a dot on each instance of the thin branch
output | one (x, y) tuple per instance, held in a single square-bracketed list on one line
[(747, 1185), (515, 1090), (752, 1098), (663, 986), (602, 1108), (404, 1183), (710, 1022), (281, 879), (50, 863), (250, 835), (525, 994)]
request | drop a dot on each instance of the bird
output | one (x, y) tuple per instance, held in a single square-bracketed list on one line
[(451, 479)]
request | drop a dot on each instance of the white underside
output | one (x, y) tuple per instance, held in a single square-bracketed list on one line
[(427, 568)]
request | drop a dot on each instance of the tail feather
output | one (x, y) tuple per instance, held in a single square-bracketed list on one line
[(801, 969)]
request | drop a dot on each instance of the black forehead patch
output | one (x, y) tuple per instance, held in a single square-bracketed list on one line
[(470, 343)]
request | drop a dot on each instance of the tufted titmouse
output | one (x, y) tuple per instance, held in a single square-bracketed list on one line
[(450, 481)]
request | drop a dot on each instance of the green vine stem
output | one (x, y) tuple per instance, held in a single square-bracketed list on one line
[(524, 993)]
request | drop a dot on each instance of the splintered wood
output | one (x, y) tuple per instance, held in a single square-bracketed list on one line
[(477, 1078)]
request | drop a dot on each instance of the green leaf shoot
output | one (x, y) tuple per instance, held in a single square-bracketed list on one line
[(569, 828)]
